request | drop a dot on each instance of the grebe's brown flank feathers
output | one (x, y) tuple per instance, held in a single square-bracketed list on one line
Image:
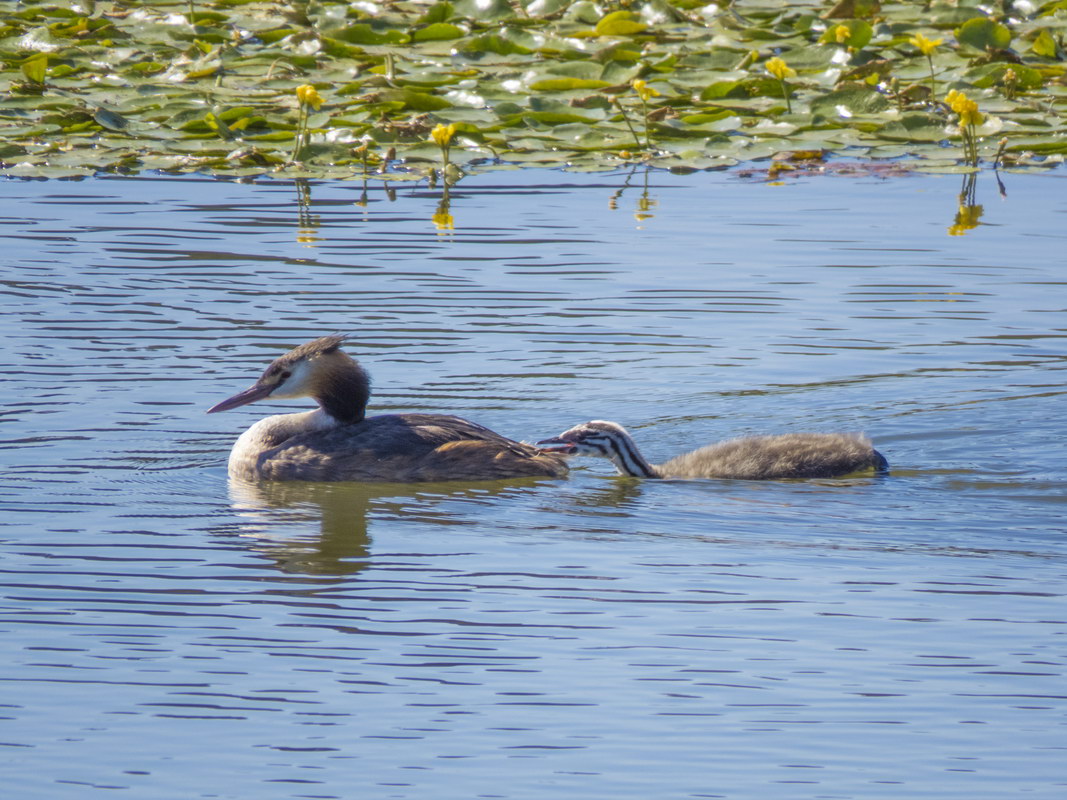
[(337, 442), (405, 448)]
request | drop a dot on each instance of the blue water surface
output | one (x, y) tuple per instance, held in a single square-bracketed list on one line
[(169, 634)]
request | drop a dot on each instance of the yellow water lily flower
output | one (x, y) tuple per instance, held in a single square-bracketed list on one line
[(957, 100), (965, 107), (842, 33), (307, 95), (779, 69), (644, 91), (925, 46), (442, 134), (971, 116)]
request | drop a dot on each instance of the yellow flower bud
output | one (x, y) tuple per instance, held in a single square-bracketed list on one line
[(442, 134), (971, 116), (965, 107), (958, 101), (306, 95), (779, 69), (644, 91)]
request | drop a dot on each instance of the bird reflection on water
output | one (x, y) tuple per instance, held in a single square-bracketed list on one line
[(342, 547)]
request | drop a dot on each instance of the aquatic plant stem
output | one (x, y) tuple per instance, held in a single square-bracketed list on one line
[(785, 92), (626, 119), (301, 132), (648, 134)]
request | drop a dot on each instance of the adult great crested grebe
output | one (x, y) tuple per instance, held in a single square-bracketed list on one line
[(338, 442), (790, 455)]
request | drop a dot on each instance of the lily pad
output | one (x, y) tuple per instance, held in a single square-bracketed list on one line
[(362, 33), (548, 80), (915, 127), (438, 31), (620, 23), (850, 100), (567, 84), (983, 33)]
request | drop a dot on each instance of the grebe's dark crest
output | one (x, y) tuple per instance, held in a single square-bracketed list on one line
[(338, 442), (790, 455)]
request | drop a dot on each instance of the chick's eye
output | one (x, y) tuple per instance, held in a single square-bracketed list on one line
[(285, 375)]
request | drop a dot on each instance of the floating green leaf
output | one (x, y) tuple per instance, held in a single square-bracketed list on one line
[(915, 127), (1044, 45), (851, 99), (502, 44), (34, 67), (438, 12), (854, 33), (567, 84), (438, 31), (485, 10), (546, 117), (1022, 77), (111, 120), (619, 23), (416, 101), (982, 33), (363, 33), (704, 119), (545, 82), (761, 86)]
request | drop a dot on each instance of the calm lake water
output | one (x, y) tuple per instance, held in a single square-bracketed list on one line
[(167, 635)]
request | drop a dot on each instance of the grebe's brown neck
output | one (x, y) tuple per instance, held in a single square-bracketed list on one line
[(343, 391)]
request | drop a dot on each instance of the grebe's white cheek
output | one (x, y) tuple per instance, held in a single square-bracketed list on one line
[(298, 384)]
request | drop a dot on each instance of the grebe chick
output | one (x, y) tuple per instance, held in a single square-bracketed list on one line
[(338, 442), (790, 455)]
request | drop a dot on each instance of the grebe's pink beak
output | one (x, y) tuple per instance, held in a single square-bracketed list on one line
[(250, 395)]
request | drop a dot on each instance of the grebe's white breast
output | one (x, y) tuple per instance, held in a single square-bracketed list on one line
[(271, 432)]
